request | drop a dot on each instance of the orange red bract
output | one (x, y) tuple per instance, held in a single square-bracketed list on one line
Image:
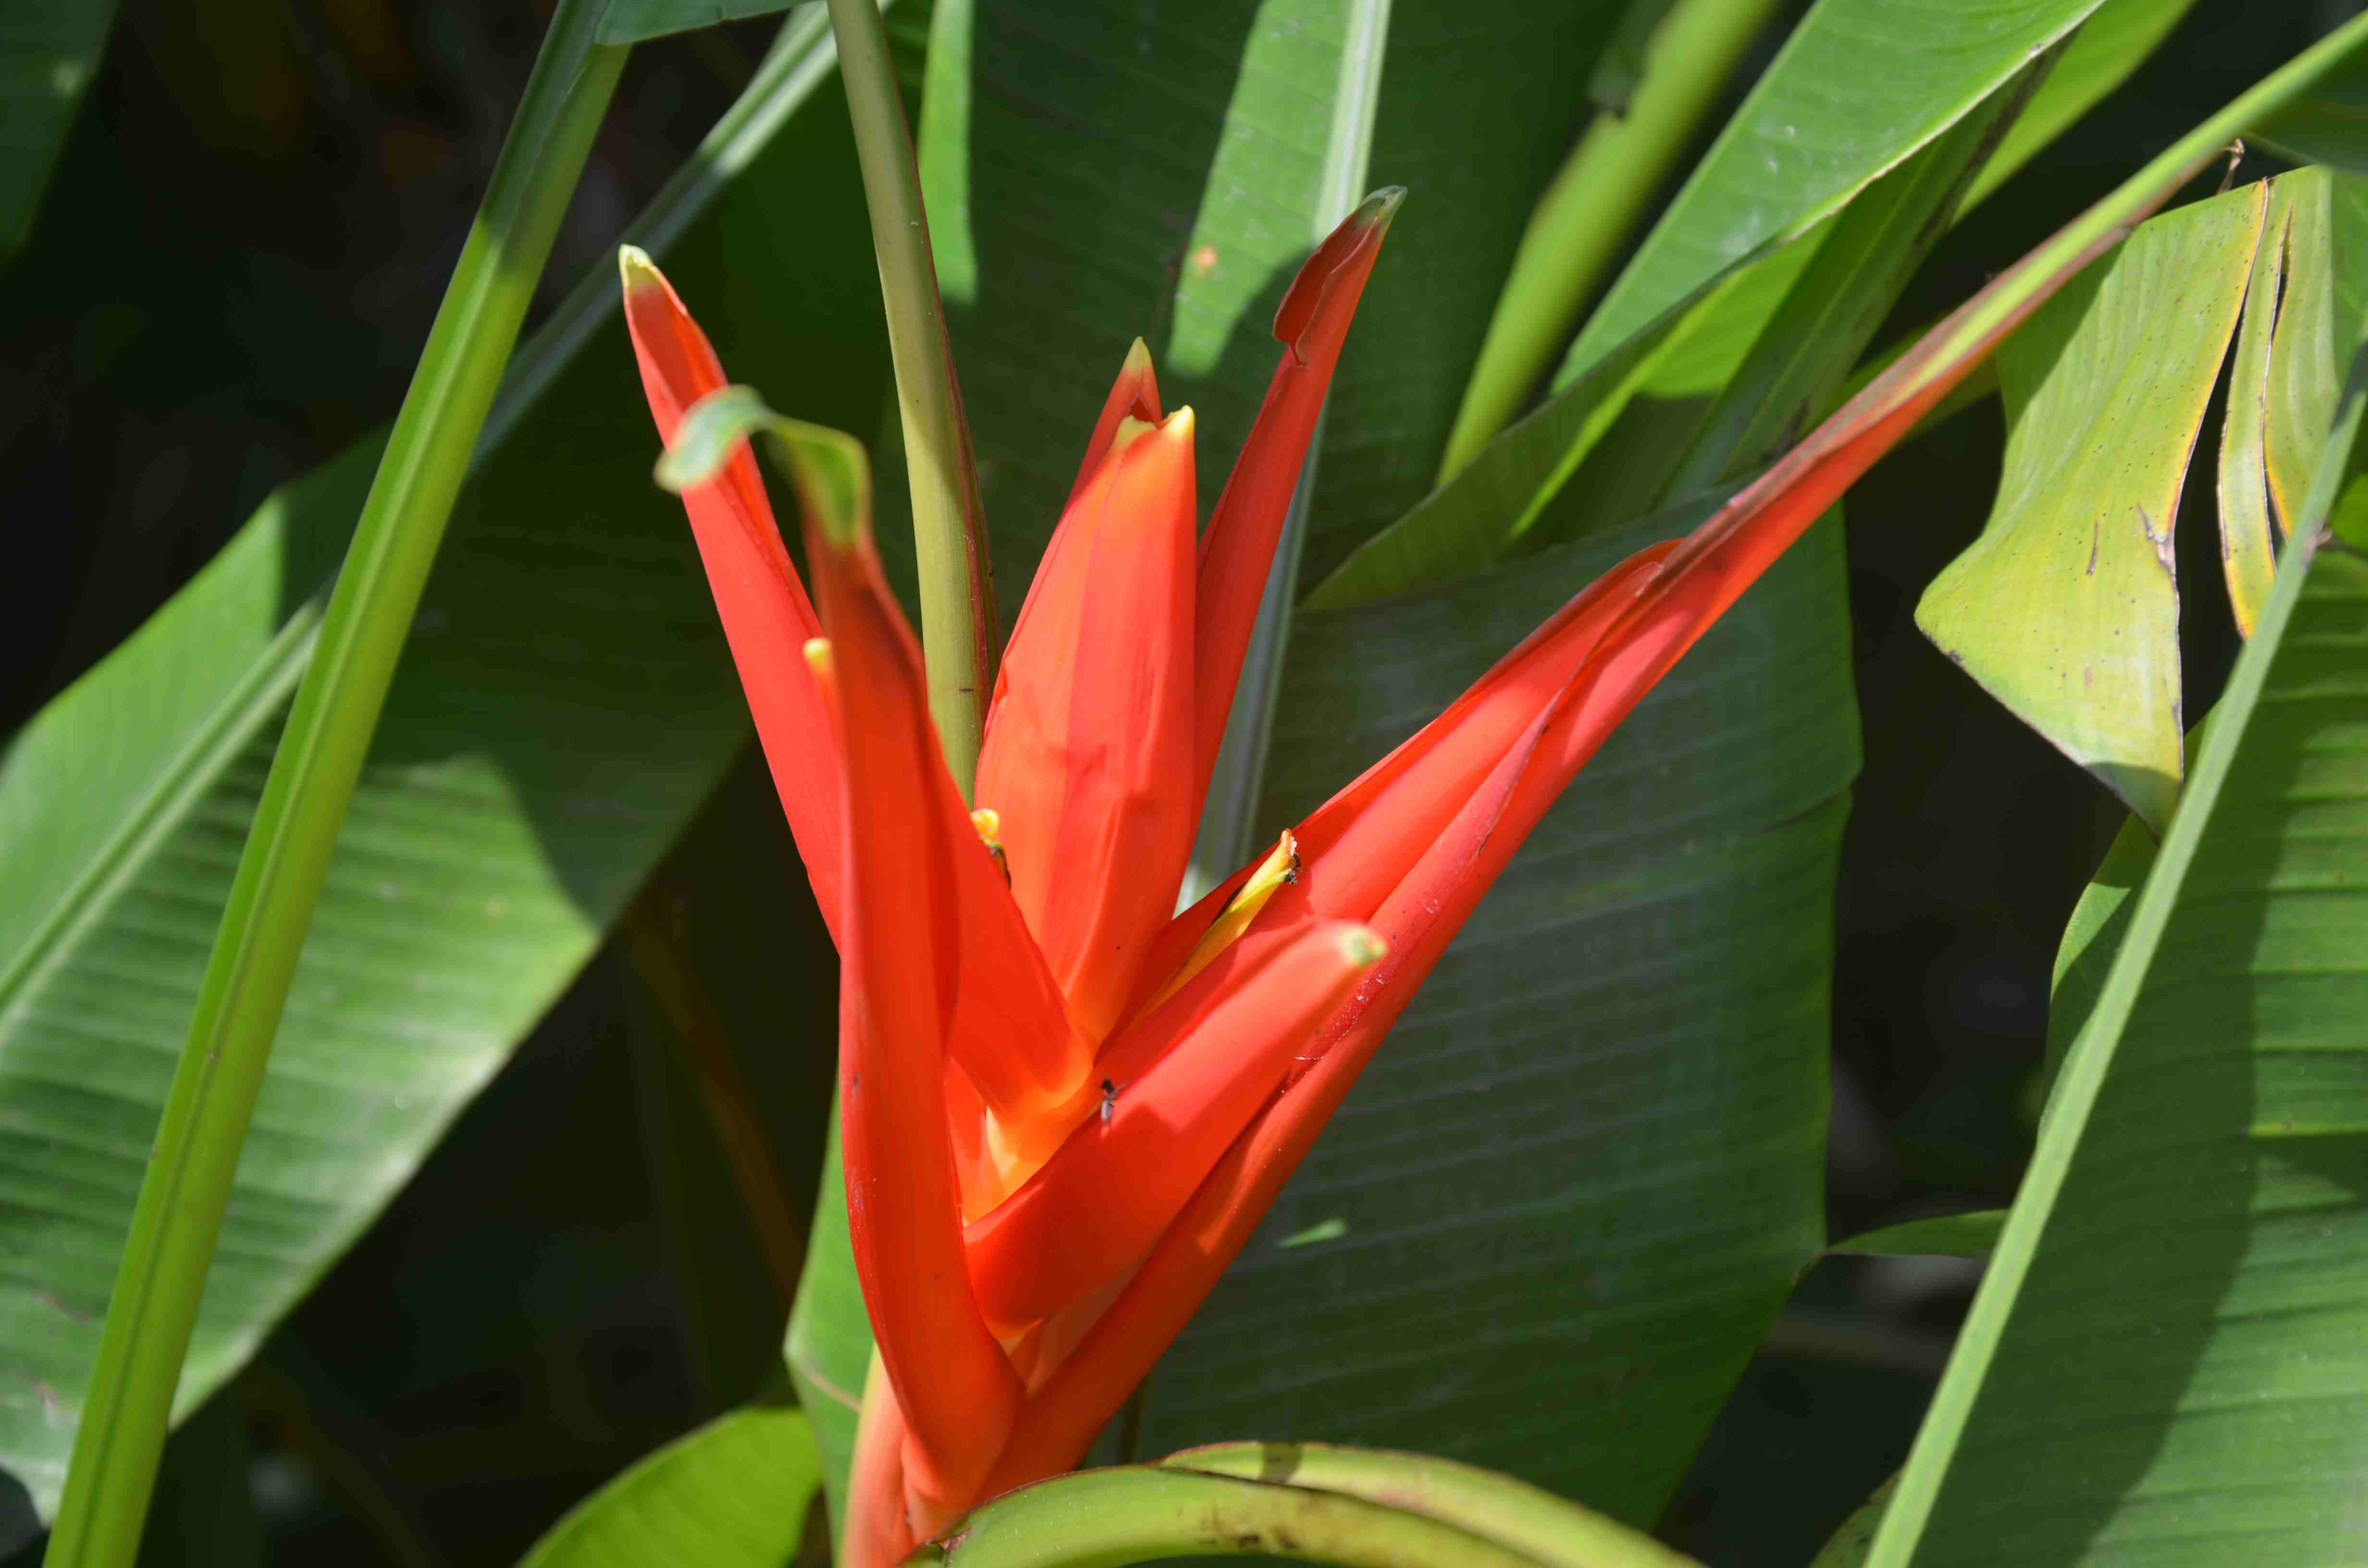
[(1065, 1107)]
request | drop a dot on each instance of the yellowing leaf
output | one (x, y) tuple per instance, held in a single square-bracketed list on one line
[(2066, 609)]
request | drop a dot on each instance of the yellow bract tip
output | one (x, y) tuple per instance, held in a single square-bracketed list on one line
[(1279, 869), (1363, 947), (817, 653), (1130, 430), (989, 824), (1180, 424), (635, 265)]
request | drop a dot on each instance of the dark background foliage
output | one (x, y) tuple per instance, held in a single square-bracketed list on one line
[(246, 239)]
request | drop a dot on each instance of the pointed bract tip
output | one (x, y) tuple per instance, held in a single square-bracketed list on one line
[(1362, 947), (1358, 235), (989, 823), (633, 264), (1138, 358), (1377, 210), (1179, 425), (1130, 430), (818, 658)]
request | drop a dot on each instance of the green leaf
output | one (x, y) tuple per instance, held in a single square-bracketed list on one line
[(2327, 125), (1542, 1527), (1102, 1518), (1494, 500), (48, 52), (1859, 85), (563, 706), (176, 1220), (2247, 532), (732, 1495), (1649, 114), (1759, 184), (1798, 363), (1848, 1546), (2154, 1367), (1947, 1235), (2112, 44), (2093, 934), (2066, 609), (1564, 1187), (2321, 306), (636, 21), (828, 1349)]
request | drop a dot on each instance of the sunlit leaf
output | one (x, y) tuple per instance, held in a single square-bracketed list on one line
[(1859, 85), (732, 1495), (2066, 609)]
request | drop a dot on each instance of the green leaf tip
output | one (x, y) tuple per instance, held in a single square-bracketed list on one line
[(833, 477), (712, 430)]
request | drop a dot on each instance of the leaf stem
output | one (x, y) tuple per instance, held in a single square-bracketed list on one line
[(1587, 212), (182, 1198), (958, 630)]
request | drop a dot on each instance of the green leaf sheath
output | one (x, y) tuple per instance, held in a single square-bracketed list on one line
[(1103, 1518), (959, 638), (153, 1306), (1542, 1527), (2152, 1371)]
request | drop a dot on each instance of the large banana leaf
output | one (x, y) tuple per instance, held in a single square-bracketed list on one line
[(1561, 1208), (2164, 1364), (563, 704)]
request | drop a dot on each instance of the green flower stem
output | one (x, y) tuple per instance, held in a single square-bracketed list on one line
[(949, 524), (1586, 214), (182, 1198)]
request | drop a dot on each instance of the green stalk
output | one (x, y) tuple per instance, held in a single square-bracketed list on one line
[(154, 1302), (1586, 214), (949, 524)]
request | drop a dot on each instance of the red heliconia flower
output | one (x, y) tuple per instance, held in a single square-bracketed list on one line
[(1064, 1108)]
